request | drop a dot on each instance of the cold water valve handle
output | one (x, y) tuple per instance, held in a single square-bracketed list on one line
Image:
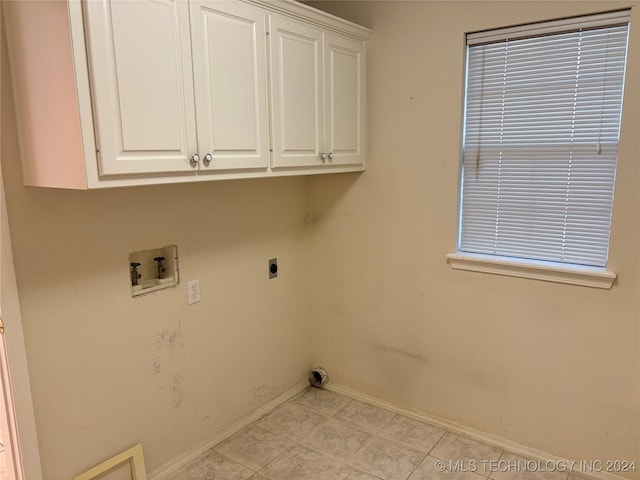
[(160, 267), (135, 276)]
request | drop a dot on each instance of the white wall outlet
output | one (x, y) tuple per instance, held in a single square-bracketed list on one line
[(193, 290)]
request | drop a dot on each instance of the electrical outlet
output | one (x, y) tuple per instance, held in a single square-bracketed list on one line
[(193, 290)]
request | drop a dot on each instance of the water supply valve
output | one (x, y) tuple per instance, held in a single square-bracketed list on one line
[(135, 276), (161, 270)]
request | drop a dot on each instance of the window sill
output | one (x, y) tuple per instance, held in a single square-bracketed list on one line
[(547, 271)]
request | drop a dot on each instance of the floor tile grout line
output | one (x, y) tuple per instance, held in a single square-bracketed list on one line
[(353, 454), (328, 455), (402, 445), (437, 441), (236, 461), (417, 466), (260, 472), (504, 451), (297, 440), (395, 443), (395, 415), (499, 458), (346, 420), (399, 443), (390, 441), (343, 407), (453, 433), (343, 460), (274, 459), (317, 427), (245, 465)]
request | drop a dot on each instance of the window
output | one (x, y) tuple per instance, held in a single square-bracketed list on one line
[(540, 141)]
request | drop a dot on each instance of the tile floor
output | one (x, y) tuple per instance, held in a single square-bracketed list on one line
[(323, 435)]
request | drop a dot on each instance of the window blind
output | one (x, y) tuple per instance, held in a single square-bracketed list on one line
[(540, 140)]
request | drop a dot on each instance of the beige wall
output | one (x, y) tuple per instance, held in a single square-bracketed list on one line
[(107, 370), (552, 366)]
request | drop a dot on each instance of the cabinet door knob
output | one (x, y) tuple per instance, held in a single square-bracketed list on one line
[(323, 156), (207, 159), (330, 156), (195, 159)]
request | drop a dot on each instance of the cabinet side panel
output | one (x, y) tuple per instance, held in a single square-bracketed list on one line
[(41, 64)]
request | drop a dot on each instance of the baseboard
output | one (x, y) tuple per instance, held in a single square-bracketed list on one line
[(479, 435), (172, 466)]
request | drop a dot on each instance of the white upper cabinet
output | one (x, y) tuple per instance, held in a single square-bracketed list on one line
[(297, 93), (142, 86), (318, 94), (163, 91), (230, 78)]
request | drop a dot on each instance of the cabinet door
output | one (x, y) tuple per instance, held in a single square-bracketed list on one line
[(297, 93), (230, 77), (142, 85), (345, 100)]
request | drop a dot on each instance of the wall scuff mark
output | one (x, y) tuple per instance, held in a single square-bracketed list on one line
[(169, 364)]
